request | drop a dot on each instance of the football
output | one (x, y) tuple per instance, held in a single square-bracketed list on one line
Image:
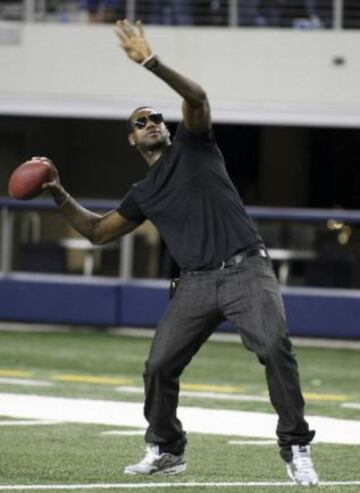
[(26, 180)]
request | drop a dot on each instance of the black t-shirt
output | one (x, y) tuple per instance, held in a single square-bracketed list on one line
[(190, 198)]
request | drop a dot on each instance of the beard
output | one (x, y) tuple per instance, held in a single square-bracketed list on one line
[(157, 145)]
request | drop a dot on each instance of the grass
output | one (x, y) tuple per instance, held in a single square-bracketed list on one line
[(79, 454)]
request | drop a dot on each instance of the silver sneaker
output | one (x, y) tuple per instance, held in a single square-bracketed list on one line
[(301, 469), (156, 463)]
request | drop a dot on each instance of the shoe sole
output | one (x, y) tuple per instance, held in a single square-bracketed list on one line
[(168, 471), (304, 483)]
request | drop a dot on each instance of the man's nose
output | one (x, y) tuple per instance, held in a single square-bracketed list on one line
[(150, 123)]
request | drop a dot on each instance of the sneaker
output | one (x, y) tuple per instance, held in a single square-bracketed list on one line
[(156, 463), (301, 469)]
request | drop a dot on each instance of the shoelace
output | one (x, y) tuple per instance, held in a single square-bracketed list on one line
[(303, 463), (150, 456)]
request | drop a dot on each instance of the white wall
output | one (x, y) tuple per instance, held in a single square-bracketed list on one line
[(250, 75)]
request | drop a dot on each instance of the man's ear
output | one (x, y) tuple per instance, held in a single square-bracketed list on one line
[(168, 135), (131, 139)]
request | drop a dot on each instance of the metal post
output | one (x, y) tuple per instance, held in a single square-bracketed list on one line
[(41, 10), (233, 13), (7, 221), (29, 10), (130, 10), (338, 14), (126, 256)]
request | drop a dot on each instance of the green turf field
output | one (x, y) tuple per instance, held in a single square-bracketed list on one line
[(101, 366)]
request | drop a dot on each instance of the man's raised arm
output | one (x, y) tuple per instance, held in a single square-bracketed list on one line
[(196, 109)]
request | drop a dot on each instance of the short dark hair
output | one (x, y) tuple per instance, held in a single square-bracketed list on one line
[(130, 126)]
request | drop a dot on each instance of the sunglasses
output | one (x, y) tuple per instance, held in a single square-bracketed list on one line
[(141, 122)]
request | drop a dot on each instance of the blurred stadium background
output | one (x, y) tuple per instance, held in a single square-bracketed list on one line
[(282, 77)]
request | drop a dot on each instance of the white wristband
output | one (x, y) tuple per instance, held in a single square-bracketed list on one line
[(144, 62)]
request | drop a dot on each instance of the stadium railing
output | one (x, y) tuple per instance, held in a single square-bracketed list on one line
[(297, 246), (300, 14)]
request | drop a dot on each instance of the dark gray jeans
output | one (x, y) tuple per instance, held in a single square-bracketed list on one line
[(248, 295)]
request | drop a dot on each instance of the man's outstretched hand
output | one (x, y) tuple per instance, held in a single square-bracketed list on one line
[(132, 40)]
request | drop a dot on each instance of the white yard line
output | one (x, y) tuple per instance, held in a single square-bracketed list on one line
[(252, 442), (24, 381), (27, 423), (135, 486), (351, 405), (203, 395), (195, 419), (124, 433)]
